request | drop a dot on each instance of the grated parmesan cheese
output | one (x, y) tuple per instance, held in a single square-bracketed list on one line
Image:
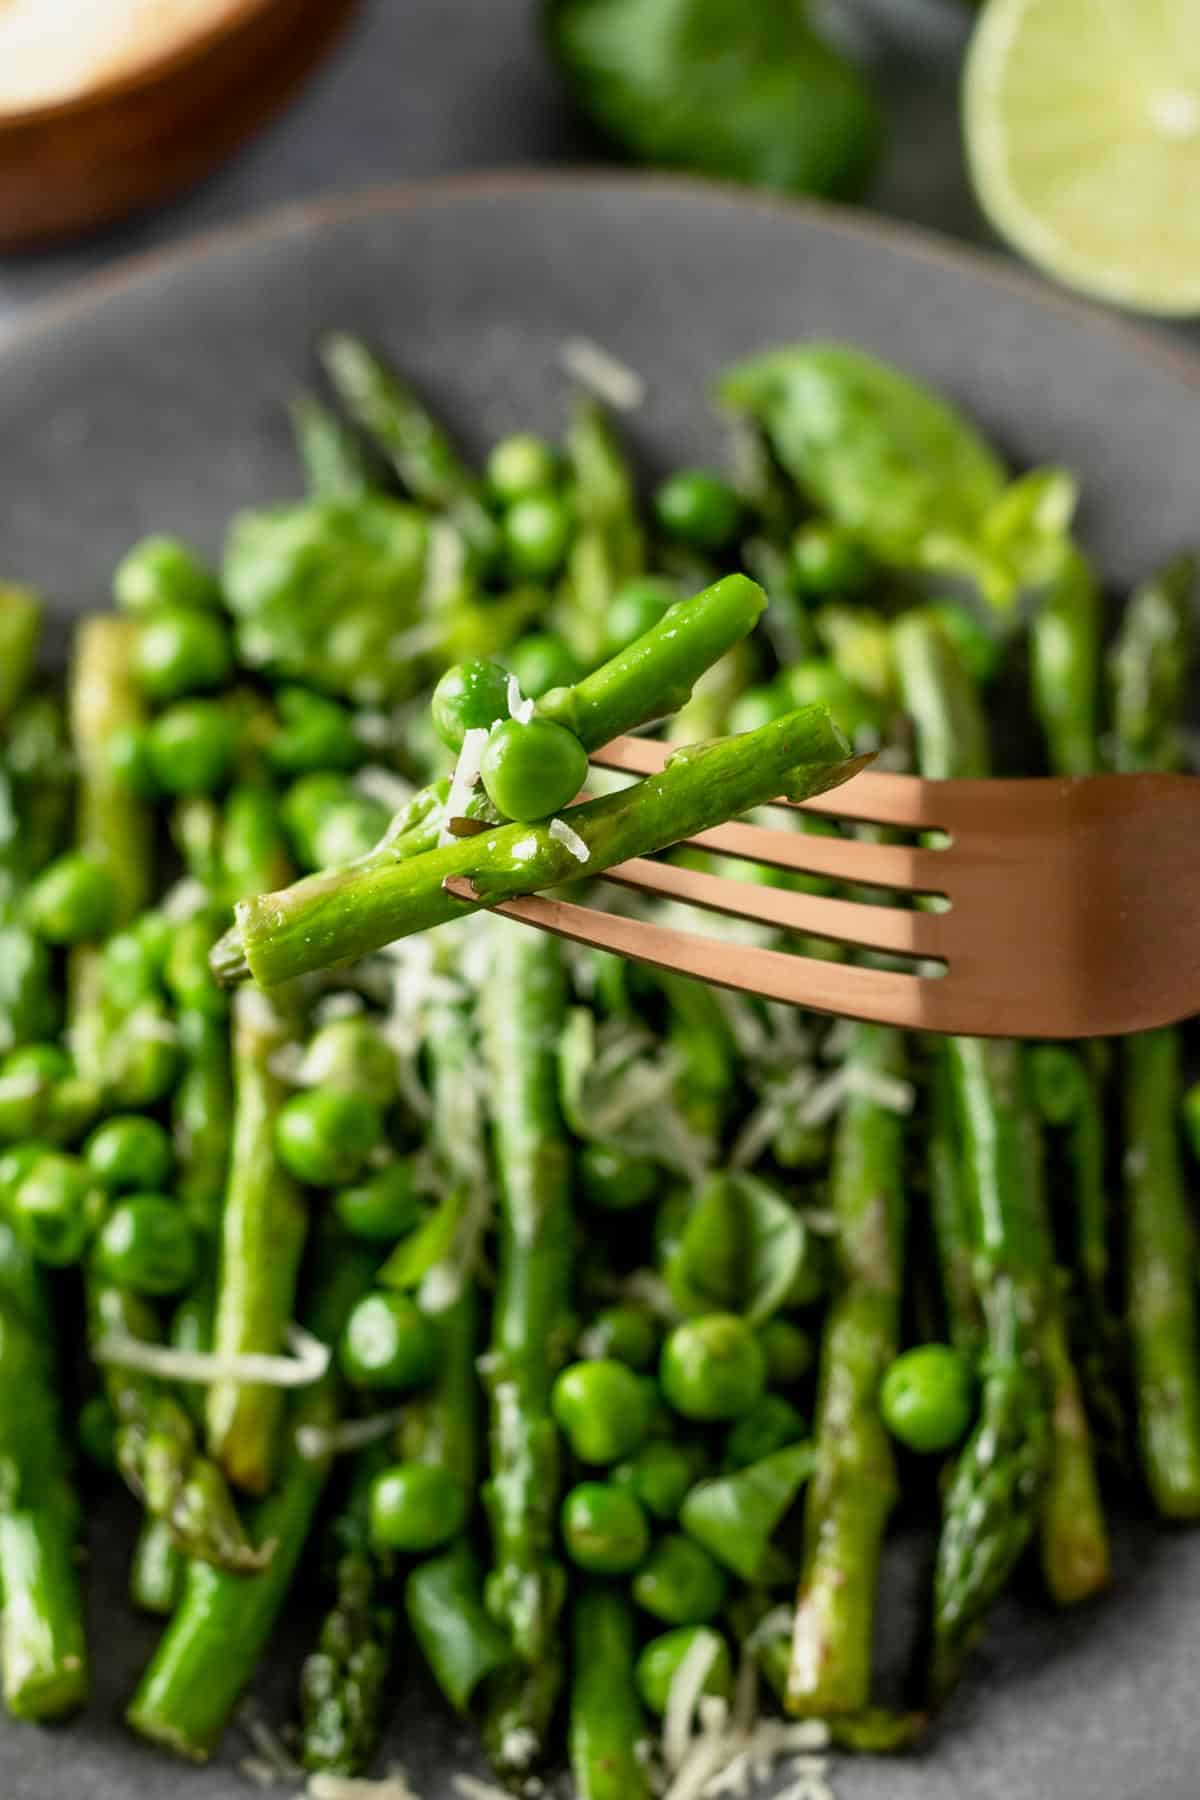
[(472, 1788), (890, 1092), (683, 1697), (607, 377), (562, 834), (315, 1442), (394, 1786), (519, 708), (464, 780), (308, 1362)]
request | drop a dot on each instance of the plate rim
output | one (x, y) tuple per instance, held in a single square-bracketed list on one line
[(937, 250)]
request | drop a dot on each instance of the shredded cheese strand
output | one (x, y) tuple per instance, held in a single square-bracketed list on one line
[(307, 1364)]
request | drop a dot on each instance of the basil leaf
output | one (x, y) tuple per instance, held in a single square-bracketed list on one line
[(882, 455), (743, 1249)]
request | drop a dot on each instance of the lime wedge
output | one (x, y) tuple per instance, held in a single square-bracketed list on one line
[(1082, 122)]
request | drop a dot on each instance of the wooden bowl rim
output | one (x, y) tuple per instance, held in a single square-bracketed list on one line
[(160, 68)]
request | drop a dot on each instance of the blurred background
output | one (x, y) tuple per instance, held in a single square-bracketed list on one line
[(857, 99), (425, 87)]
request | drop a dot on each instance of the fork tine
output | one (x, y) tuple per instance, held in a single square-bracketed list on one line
[(887, 928), (877, 995), (868, 799), (902, 866)]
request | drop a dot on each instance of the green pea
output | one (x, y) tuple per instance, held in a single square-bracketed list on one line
[(928, 1397), (627, 1334), (181, 651), (128, 754), (601, 1409), (519, 465), (415, 1507), (616, 1181), (146, 1059), (73, 901), (661, 1474), (698, 508), (387, 1343), (530, 771), (669, 1222), (981, 651), (352, 1056), (384, 1206), (826, 559), (820, 683), (469, 697), (350, 829), (41, 1062), (771, 1424), (147, 1244), (542, 661), (324, 1137), (660, 1661), (188, 975), (537, 529), (313, 733), (96, 1429), (129, 1153), (604, 1529), (192, 747), (712, 1367), (788, 1351), (56, 1208), (815, 1273), (15, 1165), (163, 571), (758, 706), (680, 1583), (636, 608)]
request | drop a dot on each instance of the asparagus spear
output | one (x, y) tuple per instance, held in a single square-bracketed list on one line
[(156, 1445), (1160, 1263), (523, 1017), (854, 1485), (20, 627), (263, 1229), (414, 442), (1150, 666), (333, 459), (341, 1682), (607, 547), (1065, 668), (345, 913), (43, 1659), (950, 1213), (156, 1569), (607, 1727), (1064, 652), (991, 1505), (221, 1626)]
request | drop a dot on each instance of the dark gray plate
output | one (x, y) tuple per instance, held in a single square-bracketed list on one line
[(154, 399)]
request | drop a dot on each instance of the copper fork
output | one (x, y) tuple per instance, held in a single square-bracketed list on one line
[(1067, 908)]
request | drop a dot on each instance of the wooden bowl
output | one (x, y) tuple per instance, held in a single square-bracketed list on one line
[(78, 164)]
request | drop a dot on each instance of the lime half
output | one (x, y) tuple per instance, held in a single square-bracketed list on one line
[(1082, 121)]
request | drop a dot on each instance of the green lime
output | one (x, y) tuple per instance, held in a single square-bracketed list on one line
[(1082, 126)]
